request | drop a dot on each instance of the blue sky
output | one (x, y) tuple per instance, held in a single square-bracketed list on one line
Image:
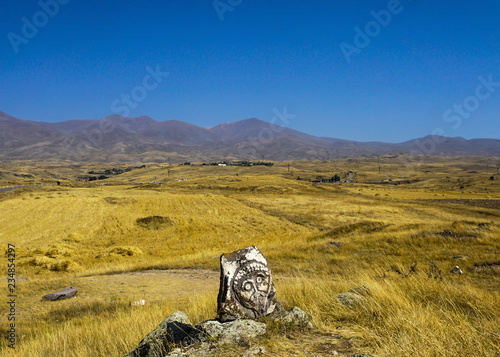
[(414, 70)]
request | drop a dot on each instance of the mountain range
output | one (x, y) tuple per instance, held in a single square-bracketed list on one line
[(143, 139)]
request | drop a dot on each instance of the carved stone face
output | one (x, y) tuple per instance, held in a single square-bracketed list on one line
[(252, 286), (246, 286)]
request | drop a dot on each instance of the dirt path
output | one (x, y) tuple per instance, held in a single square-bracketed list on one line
[(149, 285)]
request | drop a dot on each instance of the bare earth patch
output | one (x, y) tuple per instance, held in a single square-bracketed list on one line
[(149, 285)]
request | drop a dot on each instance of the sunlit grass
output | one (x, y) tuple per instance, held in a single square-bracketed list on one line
[(320, 240)]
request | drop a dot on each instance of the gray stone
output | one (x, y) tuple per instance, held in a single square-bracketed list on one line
[(176, 330), (246, 286), (238, 331), (298, 317), (178, 316), (456, 270), (232, 332), (212, 328), (61, 294), (349, 299)]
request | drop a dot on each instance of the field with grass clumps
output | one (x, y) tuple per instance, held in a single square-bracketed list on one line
[(389, 238)]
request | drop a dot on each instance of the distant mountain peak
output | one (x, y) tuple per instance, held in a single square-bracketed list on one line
[(145, 139)]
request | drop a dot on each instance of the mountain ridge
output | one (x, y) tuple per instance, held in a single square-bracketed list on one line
[(126, 139)]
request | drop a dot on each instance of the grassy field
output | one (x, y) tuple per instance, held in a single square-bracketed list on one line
[(156, 234)]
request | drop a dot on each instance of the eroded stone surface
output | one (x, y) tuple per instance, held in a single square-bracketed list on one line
[(246, 286), (65, 293), (296, 316), (175, 330)]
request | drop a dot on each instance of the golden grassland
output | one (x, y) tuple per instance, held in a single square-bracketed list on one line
[(398, 231)]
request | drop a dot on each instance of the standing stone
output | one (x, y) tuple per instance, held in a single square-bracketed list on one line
[(246, 287)]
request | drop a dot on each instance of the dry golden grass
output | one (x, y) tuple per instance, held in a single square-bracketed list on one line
[(395, 240)]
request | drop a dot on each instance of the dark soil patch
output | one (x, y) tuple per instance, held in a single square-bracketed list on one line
[(154, 222)]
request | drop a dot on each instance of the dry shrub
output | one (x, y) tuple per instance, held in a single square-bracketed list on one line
[(47, 263), (126, 251), (58, 250), (43, 262), (64, 266)]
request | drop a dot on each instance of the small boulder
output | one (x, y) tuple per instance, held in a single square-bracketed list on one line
[(350, 299), (239, 331), (296, 317), (456, 270), (61, 294), (175, 330), (232, 332)]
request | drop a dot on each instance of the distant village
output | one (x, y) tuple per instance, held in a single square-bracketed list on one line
[(235, 163), (104, 174)]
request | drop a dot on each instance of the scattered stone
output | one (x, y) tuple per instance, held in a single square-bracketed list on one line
[(350, 299), (296, 317), (456, 270), (62, 294), (354, 296), (335, 243), (340, 327), (246, 286), (138, 303), (360, 355)]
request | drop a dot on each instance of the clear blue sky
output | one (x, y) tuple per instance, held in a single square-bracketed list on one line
[(261, 55)]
